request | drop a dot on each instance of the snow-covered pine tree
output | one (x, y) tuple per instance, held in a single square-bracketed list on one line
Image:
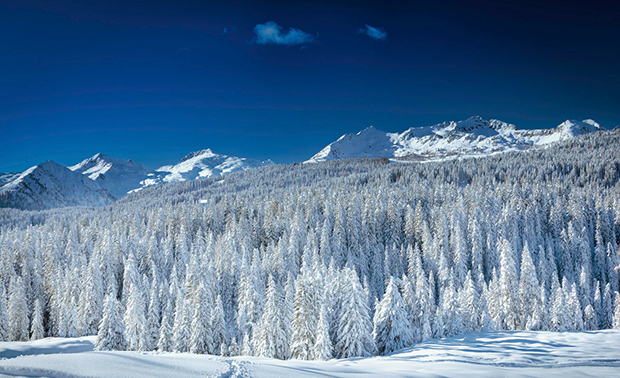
[(450, 310), (91, 305), (616, 319), (411, 306), (181, 330), (508, 286), (559, 320), (251, 298), (270, 338), (18, 311), (218, 328), (37, 330), (607, 308), (469, 303), (392, 325), (323, 348), (354, 330), (134, 318), (574, 310), (4, 314), (130, 276), (305, 316), (529, 290), (424, 315), (111, 334), (200, 341), (590, 321), (151, 327), (165, 343)]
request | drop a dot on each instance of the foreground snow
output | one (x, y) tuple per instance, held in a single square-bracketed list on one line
[(491, 354)]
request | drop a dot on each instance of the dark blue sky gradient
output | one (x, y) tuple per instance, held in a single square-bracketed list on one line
[(154, 80)]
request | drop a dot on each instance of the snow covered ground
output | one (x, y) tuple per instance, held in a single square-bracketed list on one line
[(490, 354)]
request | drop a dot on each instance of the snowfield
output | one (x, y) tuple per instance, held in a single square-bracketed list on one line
[(488, 354)]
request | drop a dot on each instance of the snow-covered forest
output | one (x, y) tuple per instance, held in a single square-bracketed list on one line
[(329, 260)]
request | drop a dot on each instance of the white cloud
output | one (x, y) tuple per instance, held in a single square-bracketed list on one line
[(271, 33), (378, 34)]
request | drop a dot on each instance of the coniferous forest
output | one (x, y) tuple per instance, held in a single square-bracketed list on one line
[(329, 260)]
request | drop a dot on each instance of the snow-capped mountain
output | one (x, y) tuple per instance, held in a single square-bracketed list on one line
[(474, 136), (49, 185), (116, 176), (200, 165), (101, 179)]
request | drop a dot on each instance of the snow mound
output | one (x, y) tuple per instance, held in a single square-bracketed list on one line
[(485, 354)]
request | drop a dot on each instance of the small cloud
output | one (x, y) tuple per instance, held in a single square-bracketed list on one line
[(271, 33), (229, 30), (378, 34), (185, 49)]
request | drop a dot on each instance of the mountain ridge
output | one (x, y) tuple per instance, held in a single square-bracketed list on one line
[(102, 179), (473, 136)]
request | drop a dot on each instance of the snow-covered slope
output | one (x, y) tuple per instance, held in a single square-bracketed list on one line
[(116, 176), (200, 165), (8, 177), (489, 354), (474, 136), (49, 185)]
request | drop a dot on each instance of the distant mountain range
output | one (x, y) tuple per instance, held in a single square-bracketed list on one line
[(474, 136), (102, 179)]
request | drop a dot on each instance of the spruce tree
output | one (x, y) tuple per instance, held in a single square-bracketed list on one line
[(181, 331), (323, 348), (91, 305), (165, 342), (151, 328), (529, 289), (111, 335), (270, 334), (392, 325), (4, 314), (134, 318), (218, 327), (37, 330), (616, 319), (18, 311), (305, 316), (355, 329), (508, 288), (200, 341)]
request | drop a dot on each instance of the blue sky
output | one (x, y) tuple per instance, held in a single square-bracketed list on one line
[(154, 80)]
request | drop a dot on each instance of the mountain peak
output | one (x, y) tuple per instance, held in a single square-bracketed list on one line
[(116, 176), (48, 185), (571, 127), (202, 153)]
